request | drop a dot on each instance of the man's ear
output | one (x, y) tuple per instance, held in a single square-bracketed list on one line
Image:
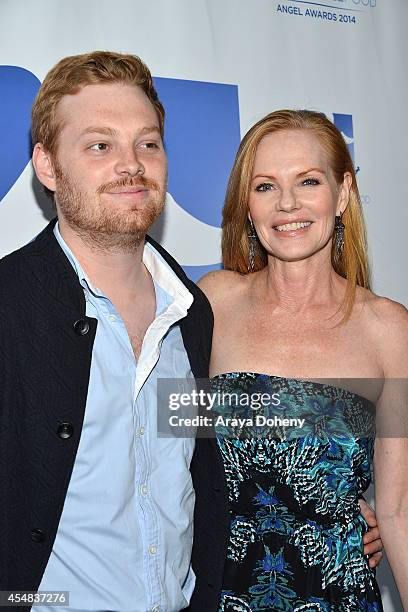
[(43, 166), (344, 193)]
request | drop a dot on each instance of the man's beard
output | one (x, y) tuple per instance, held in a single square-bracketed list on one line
[(108, 227)]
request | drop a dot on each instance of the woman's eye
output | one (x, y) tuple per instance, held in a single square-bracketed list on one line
[(264, 187), (311, 181), (99, 146)]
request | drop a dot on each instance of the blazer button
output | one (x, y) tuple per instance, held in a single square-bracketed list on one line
[(81, 327), (65, 430), (37, 535)]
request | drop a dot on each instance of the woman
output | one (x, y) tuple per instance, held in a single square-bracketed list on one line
[(294, 303)]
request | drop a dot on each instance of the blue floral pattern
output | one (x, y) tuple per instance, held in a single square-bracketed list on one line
[(295, 526)]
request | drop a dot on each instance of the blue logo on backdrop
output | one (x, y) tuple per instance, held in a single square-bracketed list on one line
[(18, 88), (202, 137), (344, 123)]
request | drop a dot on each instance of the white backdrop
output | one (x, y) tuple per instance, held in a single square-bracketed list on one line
[(347, 58)]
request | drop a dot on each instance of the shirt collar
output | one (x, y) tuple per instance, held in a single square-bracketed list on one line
[(159, 269), (82, 277)]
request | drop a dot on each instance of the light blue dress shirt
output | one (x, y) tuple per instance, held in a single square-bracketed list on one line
[(125, 535)]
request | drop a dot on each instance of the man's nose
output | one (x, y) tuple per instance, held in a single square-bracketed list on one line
[(129, 163)]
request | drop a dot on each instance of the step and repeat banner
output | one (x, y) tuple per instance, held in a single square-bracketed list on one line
[(219, 66)]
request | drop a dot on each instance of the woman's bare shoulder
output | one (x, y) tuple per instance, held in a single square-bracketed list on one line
[(388, 325), (385, 312), (220, 283)]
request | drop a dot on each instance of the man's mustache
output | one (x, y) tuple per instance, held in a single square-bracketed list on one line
[(138, 181)]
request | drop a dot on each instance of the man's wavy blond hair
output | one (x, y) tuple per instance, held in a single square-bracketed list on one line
[(73, 73)]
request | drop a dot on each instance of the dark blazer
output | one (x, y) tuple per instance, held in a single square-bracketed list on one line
[(46, 343)]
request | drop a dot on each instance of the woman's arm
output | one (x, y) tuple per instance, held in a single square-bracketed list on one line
[(391, 447)]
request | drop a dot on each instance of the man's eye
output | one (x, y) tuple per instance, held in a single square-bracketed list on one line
[(99, 146), (264, 187), (311, 181), (151, 145)]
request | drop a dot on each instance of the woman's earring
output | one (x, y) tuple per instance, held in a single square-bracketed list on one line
[(252, 239), (338, 237)]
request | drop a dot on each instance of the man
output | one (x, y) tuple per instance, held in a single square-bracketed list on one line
[(93, 313)]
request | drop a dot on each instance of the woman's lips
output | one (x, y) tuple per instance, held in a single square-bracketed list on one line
[(295, 228), (293, 225)]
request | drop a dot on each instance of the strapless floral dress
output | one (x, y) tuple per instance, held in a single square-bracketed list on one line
[(296, 530)]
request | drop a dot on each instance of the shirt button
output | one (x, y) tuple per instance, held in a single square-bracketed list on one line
[(112, 318), (155, 609), (81, 327), (144, 489), (65, 430), (141, 431), (37, 535), (152, 550)]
